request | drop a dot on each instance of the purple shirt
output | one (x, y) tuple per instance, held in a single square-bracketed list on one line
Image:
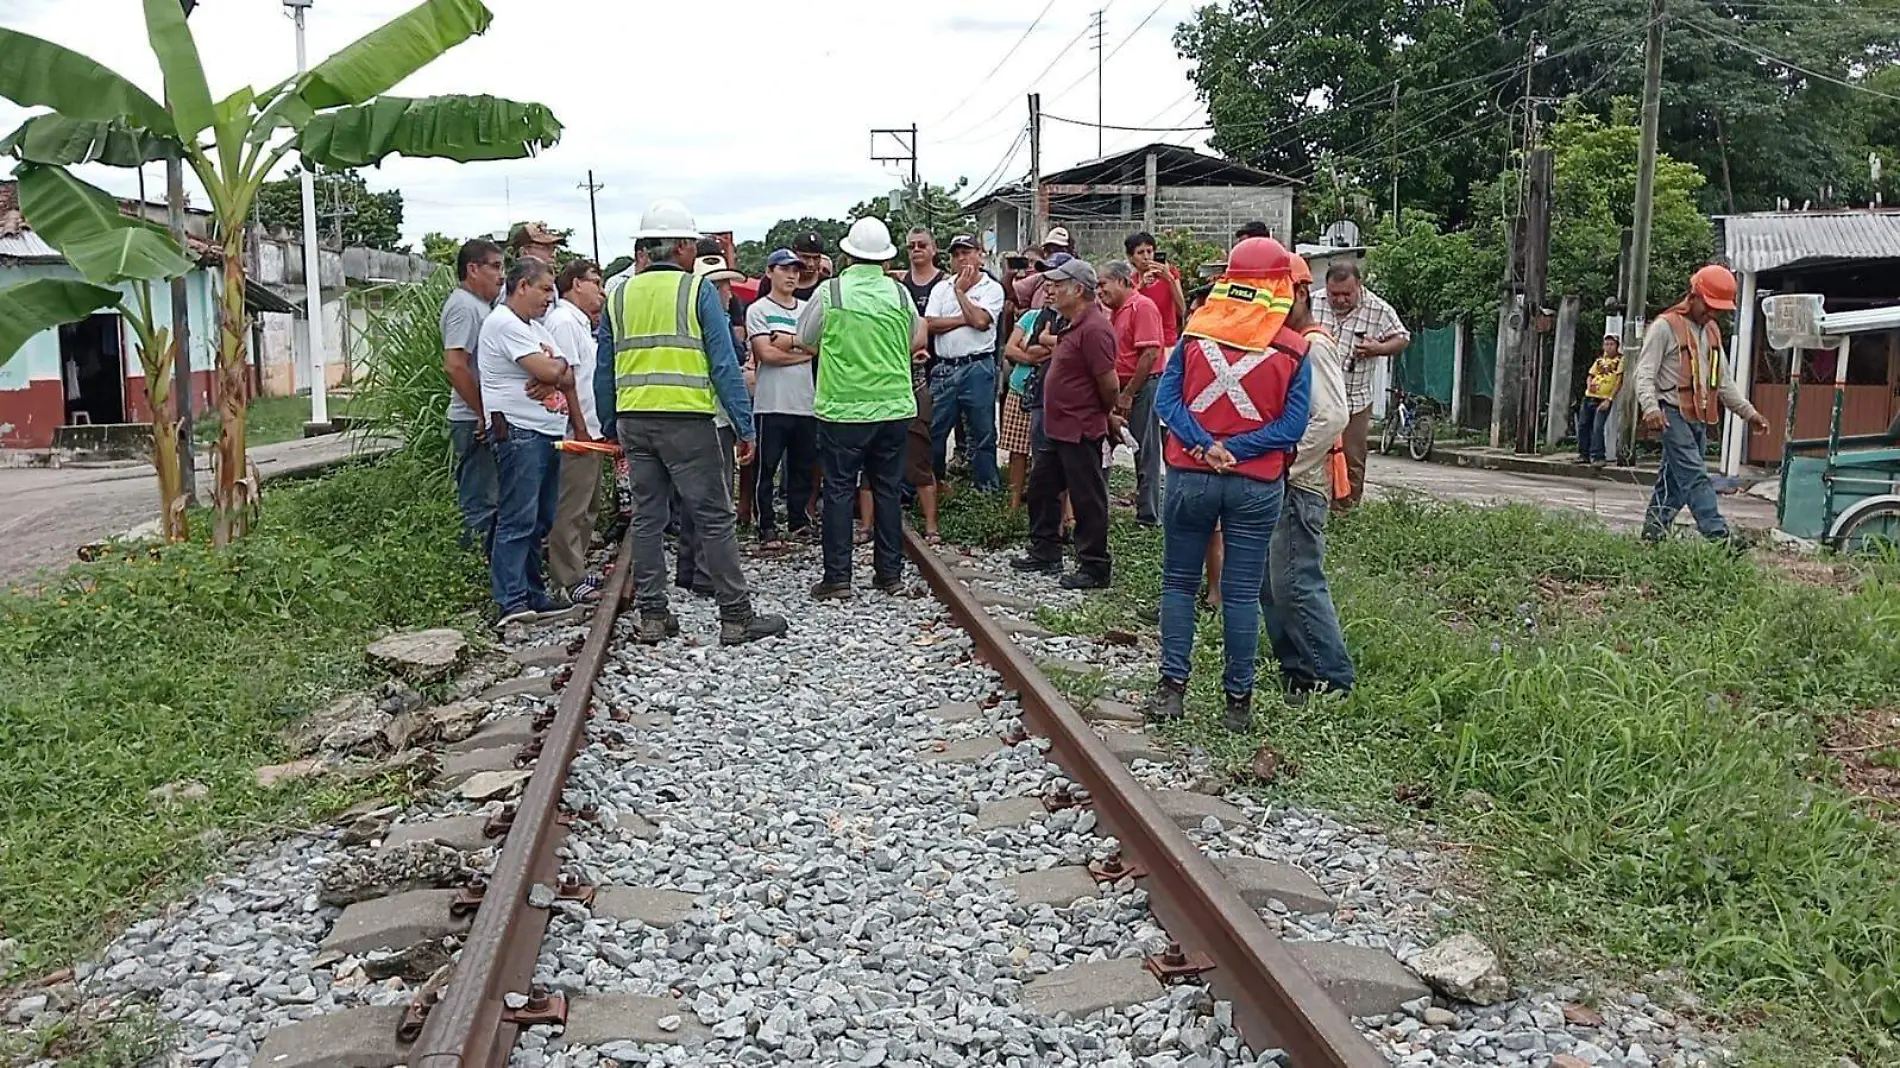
[(1072, 405)]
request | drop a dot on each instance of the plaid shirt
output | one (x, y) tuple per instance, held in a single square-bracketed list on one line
[(1372, 320)]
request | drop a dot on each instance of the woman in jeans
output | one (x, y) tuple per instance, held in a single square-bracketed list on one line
[(1234, 398)]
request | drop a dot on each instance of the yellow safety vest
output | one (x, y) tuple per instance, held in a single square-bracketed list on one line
[(660, 360)]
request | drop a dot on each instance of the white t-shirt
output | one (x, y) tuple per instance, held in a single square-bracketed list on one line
[(779, 390), (505, 340), (574, 340), (987, 294)]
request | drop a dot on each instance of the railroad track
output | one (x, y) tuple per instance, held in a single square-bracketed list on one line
[(885, 838)]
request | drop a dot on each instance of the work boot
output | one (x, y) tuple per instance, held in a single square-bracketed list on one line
[(656, 627), (831, 591), (751, 628), (1169, 703), (1238, 716), (893, 586), (1083, 580), (1035, 563)]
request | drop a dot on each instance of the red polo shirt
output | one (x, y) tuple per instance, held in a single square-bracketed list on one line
[(1137, 323)]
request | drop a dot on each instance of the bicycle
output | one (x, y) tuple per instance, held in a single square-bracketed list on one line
[(1412, 418)]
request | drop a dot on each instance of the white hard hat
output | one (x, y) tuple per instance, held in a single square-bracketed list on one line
[(664, 219), (869, 239)]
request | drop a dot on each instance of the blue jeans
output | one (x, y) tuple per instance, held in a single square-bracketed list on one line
[(1592, 422), (1683, 479), (475, 486), (968, 391), (1246, 510), (530, 487), (1302, 626)]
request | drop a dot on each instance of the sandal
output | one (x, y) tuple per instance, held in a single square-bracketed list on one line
[(933, 538), (862, 537), (774, 545)]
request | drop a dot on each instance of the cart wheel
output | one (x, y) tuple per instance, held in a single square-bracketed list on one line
[(1877, 530), (1389, 437), (1424, 435)]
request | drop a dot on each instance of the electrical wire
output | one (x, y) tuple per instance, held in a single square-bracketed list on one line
[(1797, 68), (987, 119), (985, 81)]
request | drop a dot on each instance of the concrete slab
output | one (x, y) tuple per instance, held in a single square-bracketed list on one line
[(456, 832), (354, 1038), (1261, 881), (1188, 809), (520, 686), (1060, 887), (1365, 982), (508, 732), (966, 751), (395, 922), (989, 598), (1010, 812), (1081, 989), (458, 768), (541, 656), (603, 1019), (959, 712), (1105, 711), (653, 907), (1023, 628), (1063, 666), (1130, 746)]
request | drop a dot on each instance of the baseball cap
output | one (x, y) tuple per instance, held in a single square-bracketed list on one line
[(709, 246), (783, 257), (963, 241), (531, 233), (1073, 270), (1058, 259), (809, 243), (1057, 235)]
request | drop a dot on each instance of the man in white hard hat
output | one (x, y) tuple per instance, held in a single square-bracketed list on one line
[(675, 367), (865, 330)]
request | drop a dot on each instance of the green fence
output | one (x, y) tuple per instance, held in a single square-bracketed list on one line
[(1425, 368)]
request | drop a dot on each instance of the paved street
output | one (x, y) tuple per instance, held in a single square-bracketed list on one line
[(46, 514)]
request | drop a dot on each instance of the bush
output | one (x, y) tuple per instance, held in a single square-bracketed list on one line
[(405, 392)]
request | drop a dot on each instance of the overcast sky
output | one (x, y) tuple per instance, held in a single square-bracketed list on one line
[(768, 116)]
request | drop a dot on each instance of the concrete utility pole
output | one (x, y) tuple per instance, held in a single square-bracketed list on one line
[(1038, 217), (1099, 12), (1636, 311), (181, 321), (1395, 152), (593, 218), (1536, 268), (312, 270)]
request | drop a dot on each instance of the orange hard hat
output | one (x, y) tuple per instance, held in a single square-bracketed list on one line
[(1258, 257), (1302, 274), (1715, 285)]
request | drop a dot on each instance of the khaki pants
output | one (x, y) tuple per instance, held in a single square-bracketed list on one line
[(1358, 438), (574, 516)]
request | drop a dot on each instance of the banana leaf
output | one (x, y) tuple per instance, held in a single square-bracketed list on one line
[(87, 227), (379, 60), (38, 73), (44, 303), (177, 52), (461, 128), (59, 141)]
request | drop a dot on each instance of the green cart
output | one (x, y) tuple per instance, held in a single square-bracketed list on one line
[(1843, 492)]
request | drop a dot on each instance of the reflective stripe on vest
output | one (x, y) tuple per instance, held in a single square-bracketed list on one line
[(660, 360), (1233, 392)]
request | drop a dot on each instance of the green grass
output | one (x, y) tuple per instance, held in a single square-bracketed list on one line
[(1644, 725), (134, 672)]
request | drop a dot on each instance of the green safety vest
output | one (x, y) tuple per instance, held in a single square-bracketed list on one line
[(660, 360), (864, 351)]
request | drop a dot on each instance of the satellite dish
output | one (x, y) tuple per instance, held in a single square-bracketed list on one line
[(1342, 234)]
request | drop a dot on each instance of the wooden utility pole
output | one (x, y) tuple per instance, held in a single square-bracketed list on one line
[(1536, 263), (1636, 309), (1038, 214), (593, 217)]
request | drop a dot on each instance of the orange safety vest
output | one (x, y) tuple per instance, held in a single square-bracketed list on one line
[(1232, 391), (1697, 383)]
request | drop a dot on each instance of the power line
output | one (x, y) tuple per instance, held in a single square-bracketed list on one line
[(1006, 104), (1797, 68), (1129, 129), (984, 83), (994, 178)]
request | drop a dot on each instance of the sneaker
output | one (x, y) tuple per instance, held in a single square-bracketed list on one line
[(519, 615), (741, 631), (892, 586), (1238, 716), (1082, 580), (1169, 703), (1036, 563), (587, 589), (656, 627), (831, 591)]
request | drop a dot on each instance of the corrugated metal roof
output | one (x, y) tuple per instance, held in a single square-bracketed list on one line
[(27, 245), (1771, 240)]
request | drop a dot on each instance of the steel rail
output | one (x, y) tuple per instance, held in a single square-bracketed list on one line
[(468, 1027), (1277, 1003)]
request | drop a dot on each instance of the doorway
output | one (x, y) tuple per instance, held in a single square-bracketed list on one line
[(92, 368)]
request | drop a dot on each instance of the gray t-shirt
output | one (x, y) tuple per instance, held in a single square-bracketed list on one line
[(462, 317), (505, 340), (790, 390)]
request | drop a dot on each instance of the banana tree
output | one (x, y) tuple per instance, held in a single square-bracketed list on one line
[(109, 249), (335, 115)]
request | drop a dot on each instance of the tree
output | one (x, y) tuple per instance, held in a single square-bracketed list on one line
[(334, 114), (932, 207), (356, 216), (785, 231), (108, 248), (440, 247)]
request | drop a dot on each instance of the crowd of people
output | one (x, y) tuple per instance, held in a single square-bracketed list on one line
[(837, 391)]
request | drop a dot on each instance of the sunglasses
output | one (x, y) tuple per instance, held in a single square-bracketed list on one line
[(920, 244)]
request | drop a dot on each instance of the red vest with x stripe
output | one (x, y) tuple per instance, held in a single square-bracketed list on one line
[(1230, 392)]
